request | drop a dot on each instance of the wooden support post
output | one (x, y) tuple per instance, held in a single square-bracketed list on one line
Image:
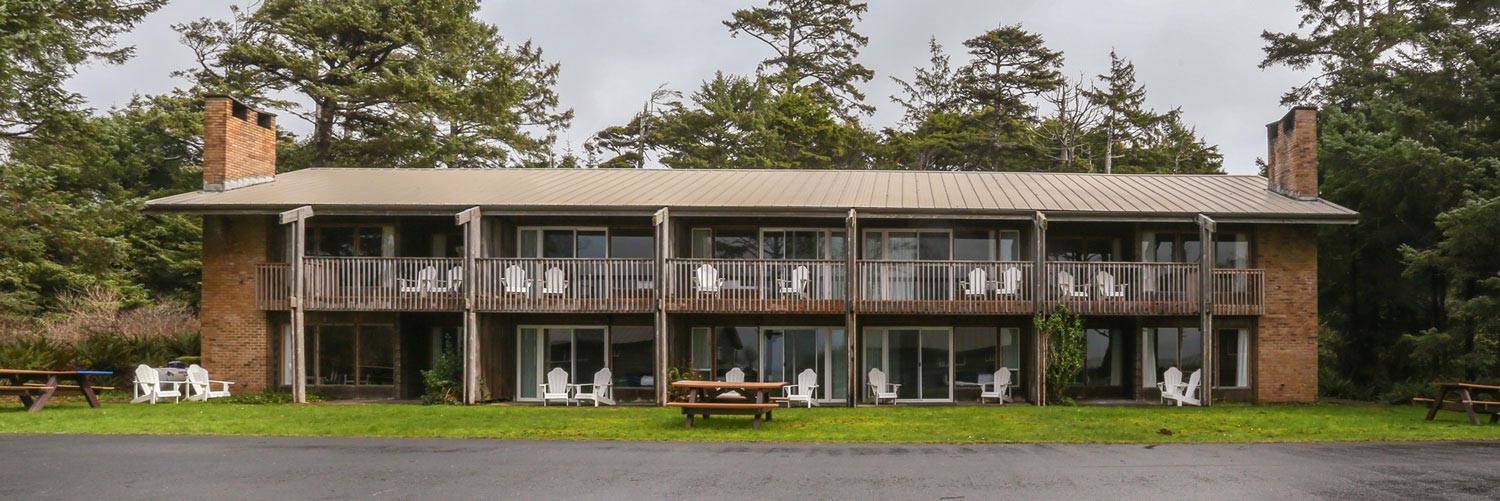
[(470, 220), (296, 221), (1206, 227), (1038, 381), (851, 296), (662, 221)]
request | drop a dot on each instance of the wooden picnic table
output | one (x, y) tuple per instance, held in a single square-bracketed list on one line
[(701, 402), (1467, 402), (34, 396)]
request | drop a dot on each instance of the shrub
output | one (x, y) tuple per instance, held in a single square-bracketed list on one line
[(442, 382), (1063, 331), (92, 331)]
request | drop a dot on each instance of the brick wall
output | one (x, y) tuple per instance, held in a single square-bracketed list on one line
[(239, 145), (1286, 346), (1292, 153), (238, 342)]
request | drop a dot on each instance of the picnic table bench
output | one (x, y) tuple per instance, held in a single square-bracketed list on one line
[(701, 403), (35, 395), (1466, 402)]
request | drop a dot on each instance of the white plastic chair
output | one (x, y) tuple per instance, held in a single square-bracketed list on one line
[(1070, 287), (879, 389), (797, 285), (201, 388), (598, 392), (1189, 394), (978, 283), (426, 280), (556, 387), (1010, 282), (1170, 385), (554, 281), (733, 375), (803, 391), (455, 281), (149, 387), (998, 388), (516, 281), (1108, 287), (706, 279)]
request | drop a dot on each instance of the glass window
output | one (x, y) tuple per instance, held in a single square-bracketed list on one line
[(1233, 346), (588, 354), (702, 240), (1010, 353), (1169, 347), (1010, 245), (1165, 342), (631, 360), (591, 244), (934, 246), (530, 243), (377, 355), (527, 379), (903, 246), (1232, 250), (874, 246), (773, 244), (336, 241), (736, 244), (1102, 359), (557, 243), (974, 354), (371, 241), (632, 243), (737, 347), (973, 245), (702, 358), (837, 248), (840, 372)]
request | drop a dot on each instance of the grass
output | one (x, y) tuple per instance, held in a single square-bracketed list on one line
[(901, 424)]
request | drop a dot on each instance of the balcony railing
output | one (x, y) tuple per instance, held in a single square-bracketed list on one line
[(565, 285), (1239, 291), (756, 286), (383, 283), (993, 287), (273, 286), (1122, 288)]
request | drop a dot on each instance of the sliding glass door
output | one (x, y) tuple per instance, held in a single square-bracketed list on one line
[(918, 359), (578, 350), (791, 350)]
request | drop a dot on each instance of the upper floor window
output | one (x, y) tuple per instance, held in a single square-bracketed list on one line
[(563, 243), (986, 245), (908, 245), (1232, 250), (1170, 247), (632, 243), (351, 241), (1077, 248), (802, 244)]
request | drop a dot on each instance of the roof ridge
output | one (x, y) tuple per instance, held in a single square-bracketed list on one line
[(892, 171)]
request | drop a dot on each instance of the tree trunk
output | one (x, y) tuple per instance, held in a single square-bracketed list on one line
[(323, 133)]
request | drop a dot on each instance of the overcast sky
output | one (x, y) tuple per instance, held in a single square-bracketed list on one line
[(1199, 55)]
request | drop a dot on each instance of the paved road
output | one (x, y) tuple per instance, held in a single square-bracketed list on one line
[(74, 467)]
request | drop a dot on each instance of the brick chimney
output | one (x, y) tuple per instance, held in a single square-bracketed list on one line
[(239, 145), (1292, 159)]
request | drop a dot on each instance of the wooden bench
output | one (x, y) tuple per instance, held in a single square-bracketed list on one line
[(706, 409), (1464, 401)]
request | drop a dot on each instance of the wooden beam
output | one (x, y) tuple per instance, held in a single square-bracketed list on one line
[(1038, 380), (1206, 227), (662, 221), (295, 221), (470, 220), (851, 296)]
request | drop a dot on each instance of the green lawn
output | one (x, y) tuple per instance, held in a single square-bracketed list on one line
[(967, 424)]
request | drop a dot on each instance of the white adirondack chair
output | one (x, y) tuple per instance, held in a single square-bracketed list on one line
[(1190, 394), (426, 280), (733, 375), (998, 388), (556, 387), (1069, 286), (1010, 282), (797, 285), (706, 279), (149, 387), (554, 281), (516, 281), (1170, 385), (1108, 287), (598, 392), (454, 283), (803, 391), (879, 389), (978, 283), (201, 388)]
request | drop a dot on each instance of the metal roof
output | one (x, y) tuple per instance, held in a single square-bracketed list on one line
[(896, 192)]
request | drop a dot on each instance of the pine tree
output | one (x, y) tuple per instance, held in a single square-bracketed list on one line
[(1008, 65), (1122, 102), (816, 48)]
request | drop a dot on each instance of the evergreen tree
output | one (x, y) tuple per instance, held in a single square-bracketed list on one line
[(1124, 117), (1008, 65), (816, 47)]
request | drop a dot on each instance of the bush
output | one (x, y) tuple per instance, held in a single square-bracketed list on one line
[(442, 383), (94, 332), (1065, 351), (1403, 392)]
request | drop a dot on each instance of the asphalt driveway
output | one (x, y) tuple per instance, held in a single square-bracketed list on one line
[(126, 467)]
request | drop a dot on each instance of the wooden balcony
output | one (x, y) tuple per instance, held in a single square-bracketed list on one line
[(1122, 288), (946, 287), (273, 286), (383, 284), (755, 286), (1239, 292), (566, 285)]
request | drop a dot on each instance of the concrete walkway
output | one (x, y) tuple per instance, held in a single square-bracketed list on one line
[(126, 467)]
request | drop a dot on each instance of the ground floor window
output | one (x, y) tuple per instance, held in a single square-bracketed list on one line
[(1104, 359), (582, 351), (1167, 347), (350, 354), (1233, 346), (632, 362), (773, 353), (920, 359)]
